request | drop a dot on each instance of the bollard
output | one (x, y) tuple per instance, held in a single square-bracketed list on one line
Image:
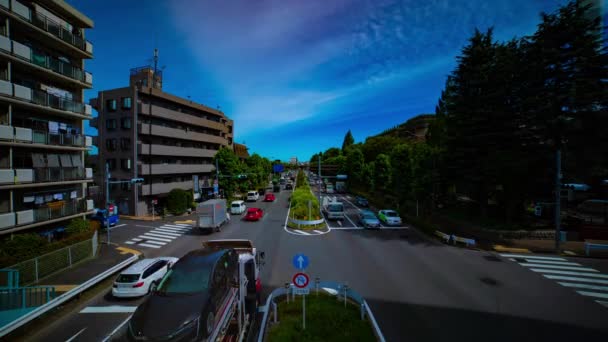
[(317, 281), (274, 310), (362, 311), (345, 290), (287, 288)]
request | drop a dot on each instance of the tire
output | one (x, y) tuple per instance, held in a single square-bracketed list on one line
[(152, 287), (208, 323)]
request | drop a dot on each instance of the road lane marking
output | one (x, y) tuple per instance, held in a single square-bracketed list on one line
[(160, 243), (118, 225), (147, 245), (559, 267), (175, 226), (339, 223), (143, 226), (183, 224), (155, 238), (165, 232), (76, 335), (174, 230), (318, 231), (348, 228), (531, 257), (586, 280), (349, 220), (301, 232), (136, 239), (584, 286), (604, 303), (594, 275), (159, 235), (593, 294), (118, 327), (129, 242), (563, 263), (109, 309)]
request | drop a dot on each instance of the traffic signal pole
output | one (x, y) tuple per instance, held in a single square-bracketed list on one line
[(108, 182)]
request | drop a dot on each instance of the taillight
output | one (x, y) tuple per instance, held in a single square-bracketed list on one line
[(258, 285), (140, 284)]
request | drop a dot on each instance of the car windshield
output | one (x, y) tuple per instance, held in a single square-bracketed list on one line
[(186, 278), (335, 207), (127, 278), (391, 214), (369, 216), (235, 205)]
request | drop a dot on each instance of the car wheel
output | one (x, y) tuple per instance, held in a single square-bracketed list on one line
[(209, 323), (152, 287)]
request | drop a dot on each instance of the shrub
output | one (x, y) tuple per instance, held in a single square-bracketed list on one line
[(178, 201), (77, 226)]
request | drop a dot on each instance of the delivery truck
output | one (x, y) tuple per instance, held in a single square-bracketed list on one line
[(211, 215)]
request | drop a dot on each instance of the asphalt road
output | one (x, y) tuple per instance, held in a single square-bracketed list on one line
[(418, 289)]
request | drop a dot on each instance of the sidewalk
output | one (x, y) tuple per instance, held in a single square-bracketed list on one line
[(107, 257)]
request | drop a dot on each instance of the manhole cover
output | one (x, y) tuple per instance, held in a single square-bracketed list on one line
[(492, 258), (489, 281)]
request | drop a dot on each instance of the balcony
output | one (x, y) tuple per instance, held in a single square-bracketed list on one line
[(41, 175), (163, 150), (50, 211), (180, 133), (50, 63), (46, 24), (165, 169), (175, 115), (42, 98), (20, 135), (163, 188)]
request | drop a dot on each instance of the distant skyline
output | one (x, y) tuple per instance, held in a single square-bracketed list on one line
[(296, 75)]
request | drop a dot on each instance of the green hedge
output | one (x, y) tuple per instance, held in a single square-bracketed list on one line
[(30, 245), (300, 198), (178, 201)]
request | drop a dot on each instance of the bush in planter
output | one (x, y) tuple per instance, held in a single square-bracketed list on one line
[(179, 201), (77, 226)]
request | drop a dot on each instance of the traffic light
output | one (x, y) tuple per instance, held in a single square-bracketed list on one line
[(137, 180)]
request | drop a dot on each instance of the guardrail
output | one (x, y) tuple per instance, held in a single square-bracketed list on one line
[(322, 285), (453, 239), (64, 297), (594, 245)]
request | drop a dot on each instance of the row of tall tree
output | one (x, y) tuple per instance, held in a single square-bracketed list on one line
[(236, 175), (505, 112)]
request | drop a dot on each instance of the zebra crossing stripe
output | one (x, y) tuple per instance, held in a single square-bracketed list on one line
[(136, 239), (531, 257), (559, 267), (555, 262), (604, 303), (585, 274), (585, 280), (147, 245), (154, 238), (165, 232), (177, 230), (183, 224), (160, 235), (156, 242), (593, 294), (129, 242), (584, 286), (174, 226)]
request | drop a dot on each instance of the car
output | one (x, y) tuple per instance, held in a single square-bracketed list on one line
[(252, 195), (361, 201), (368, 219), (237, 207), (389, 217), (269, 198), (288, 187), (142, 277), (189, 299), (254, 214)]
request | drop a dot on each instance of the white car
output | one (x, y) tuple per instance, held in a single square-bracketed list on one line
[(142, 277), (390, 217), (253, 195)]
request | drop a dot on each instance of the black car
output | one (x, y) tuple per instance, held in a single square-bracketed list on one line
[(361, 201), (288, 186), (184, 306)]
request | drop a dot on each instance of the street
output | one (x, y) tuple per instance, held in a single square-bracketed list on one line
[(418, 289)]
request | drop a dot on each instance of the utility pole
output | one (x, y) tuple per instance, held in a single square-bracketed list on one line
[(150, 116), (558, 187), (135, 152), (108, 201), (319, 163)]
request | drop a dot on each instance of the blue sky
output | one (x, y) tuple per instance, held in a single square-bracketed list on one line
[(296, 75)]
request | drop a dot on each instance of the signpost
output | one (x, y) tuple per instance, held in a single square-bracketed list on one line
[(301, 280)]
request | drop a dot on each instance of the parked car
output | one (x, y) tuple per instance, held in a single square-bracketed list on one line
[(390, 217), (368, 219), (288, 187), (142, 277), (253, 195), (237, 207), (254, 214), (269, 198), (361, 201), (190, 298)]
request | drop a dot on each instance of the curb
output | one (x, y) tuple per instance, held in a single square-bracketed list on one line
[(503, 249)]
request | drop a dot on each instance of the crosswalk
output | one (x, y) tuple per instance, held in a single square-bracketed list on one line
[(158, 237), (584, 280)]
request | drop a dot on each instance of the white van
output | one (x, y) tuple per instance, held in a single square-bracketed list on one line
[(253, 195), (237, 207)]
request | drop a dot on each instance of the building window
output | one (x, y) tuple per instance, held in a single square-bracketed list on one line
[(111, 105), (125, 144), (125, 164), (111, 163), (126, 102), (111, 144), (111, 124), (125, 123)]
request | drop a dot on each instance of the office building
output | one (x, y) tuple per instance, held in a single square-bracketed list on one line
[(43, 181), (170, 142)]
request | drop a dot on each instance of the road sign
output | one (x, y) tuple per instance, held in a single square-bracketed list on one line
[(154, 201), (300, 280), (301, 291), (300, 261), (276, 168)]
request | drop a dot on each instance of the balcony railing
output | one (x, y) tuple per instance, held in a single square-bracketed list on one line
[(43, 22), (161, 169), (164, 150), (59, 209), (59, 174), (60, 139), (43, 98)]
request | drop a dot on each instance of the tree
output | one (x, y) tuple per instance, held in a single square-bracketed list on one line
[(401, 172), (382, 172), (229, 168), (178, 201), (340, 162), (331, 152), (376, 145), (348, 141), (354, 165)]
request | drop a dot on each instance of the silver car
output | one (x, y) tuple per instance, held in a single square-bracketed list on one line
[(368, 219)]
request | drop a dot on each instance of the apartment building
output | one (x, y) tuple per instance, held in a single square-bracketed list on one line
[(170, 142), (43, 181)]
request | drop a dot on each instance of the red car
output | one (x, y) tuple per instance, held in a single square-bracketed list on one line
[(254, 214), (269, 198)]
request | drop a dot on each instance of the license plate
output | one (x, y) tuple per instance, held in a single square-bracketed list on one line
[(124, 285)]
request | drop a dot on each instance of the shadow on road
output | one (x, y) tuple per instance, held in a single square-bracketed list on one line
[(411, 322), (410, 236)]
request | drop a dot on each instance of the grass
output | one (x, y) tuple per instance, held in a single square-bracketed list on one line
[(307, 227), (326, 320)]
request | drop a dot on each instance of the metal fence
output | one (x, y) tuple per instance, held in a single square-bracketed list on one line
[(31, 271)]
